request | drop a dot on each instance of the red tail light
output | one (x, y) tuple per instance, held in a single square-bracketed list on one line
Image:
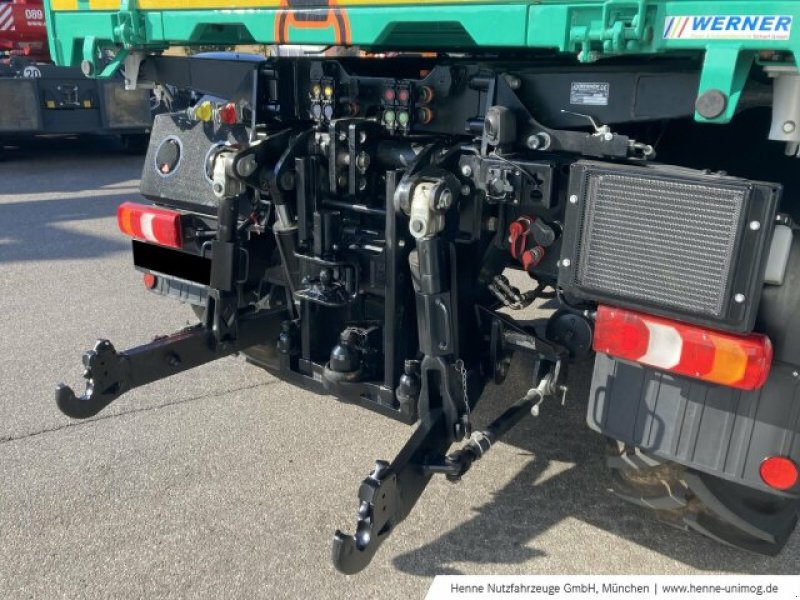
[(779, 472), (742, 362), (150, 224)]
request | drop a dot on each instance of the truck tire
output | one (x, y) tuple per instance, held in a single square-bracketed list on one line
[(724, 511)]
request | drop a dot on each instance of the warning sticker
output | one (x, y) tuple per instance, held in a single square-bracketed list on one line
[(589, 94), (729, 27)]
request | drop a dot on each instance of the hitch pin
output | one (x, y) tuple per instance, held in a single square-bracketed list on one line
[(544, 389)]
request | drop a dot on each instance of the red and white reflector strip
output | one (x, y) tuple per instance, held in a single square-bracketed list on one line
[(742, 362), (150, 224)]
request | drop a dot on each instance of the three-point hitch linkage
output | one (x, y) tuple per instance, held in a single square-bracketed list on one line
[(389, 493)]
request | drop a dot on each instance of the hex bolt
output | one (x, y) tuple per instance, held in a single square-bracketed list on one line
[(566, 262), (246, 166), (534, 142), (573, 199), (740, 298), (466, 171), (789, 127), (538, 141), (445, 200), (755, 225), (363, 161)]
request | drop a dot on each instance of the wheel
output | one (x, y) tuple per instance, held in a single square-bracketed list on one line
[(134, 143), (727, 512)]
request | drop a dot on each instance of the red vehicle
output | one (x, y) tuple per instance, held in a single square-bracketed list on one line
[(40, 98), (22, 29)]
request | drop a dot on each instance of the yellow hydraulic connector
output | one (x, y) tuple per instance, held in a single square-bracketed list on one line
[(204, 111)]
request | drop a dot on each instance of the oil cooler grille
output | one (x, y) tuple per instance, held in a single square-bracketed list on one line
[(660, 241), (667, 241)]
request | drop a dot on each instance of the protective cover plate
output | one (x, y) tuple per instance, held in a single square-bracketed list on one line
[(714, 429), (126, 109), (20, 102), (187, 185)]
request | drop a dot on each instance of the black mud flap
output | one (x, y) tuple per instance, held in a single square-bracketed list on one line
[(712, 429)]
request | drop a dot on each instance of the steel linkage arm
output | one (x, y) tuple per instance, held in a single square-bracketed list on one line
[(110, 374), (389, 494)]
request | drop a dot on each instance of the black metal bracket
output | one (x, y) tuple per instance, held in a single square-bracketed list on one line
[(387, 496), (110, 374)]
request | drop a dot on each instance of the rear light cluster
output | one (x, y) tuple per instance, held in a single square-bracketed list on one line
[(150, 281), (779, 472), (742, 362), (151, 224)]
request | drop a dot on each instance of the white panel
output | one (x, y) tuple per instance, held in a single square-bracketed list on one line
[(665, 347), (147, 228)]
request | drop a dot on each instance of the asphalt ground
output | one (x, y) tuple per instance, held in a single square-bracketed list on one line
[(224, 482)]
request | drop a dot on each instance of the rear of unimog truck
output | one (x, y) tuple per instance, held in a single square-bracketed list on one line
[(347, 221)]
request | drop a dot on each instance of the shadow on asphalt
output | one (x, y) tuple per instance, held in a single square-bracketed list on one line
[(43, 229), (45, 165), (39, 234), (505, 530)]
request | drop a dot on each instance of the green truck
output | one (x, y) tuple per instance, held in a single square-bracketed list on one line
[(346, 220), (39, 98)]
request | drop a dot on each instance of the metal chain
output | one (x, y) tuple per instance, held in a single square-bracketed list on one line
[(461, 368)]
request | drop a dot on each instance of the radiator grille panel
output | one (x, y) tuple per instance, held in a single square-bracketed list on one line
[(664, 242)]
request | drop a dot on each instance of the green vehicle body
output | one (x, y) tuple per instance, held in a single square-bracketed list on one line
[(592, 30)]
